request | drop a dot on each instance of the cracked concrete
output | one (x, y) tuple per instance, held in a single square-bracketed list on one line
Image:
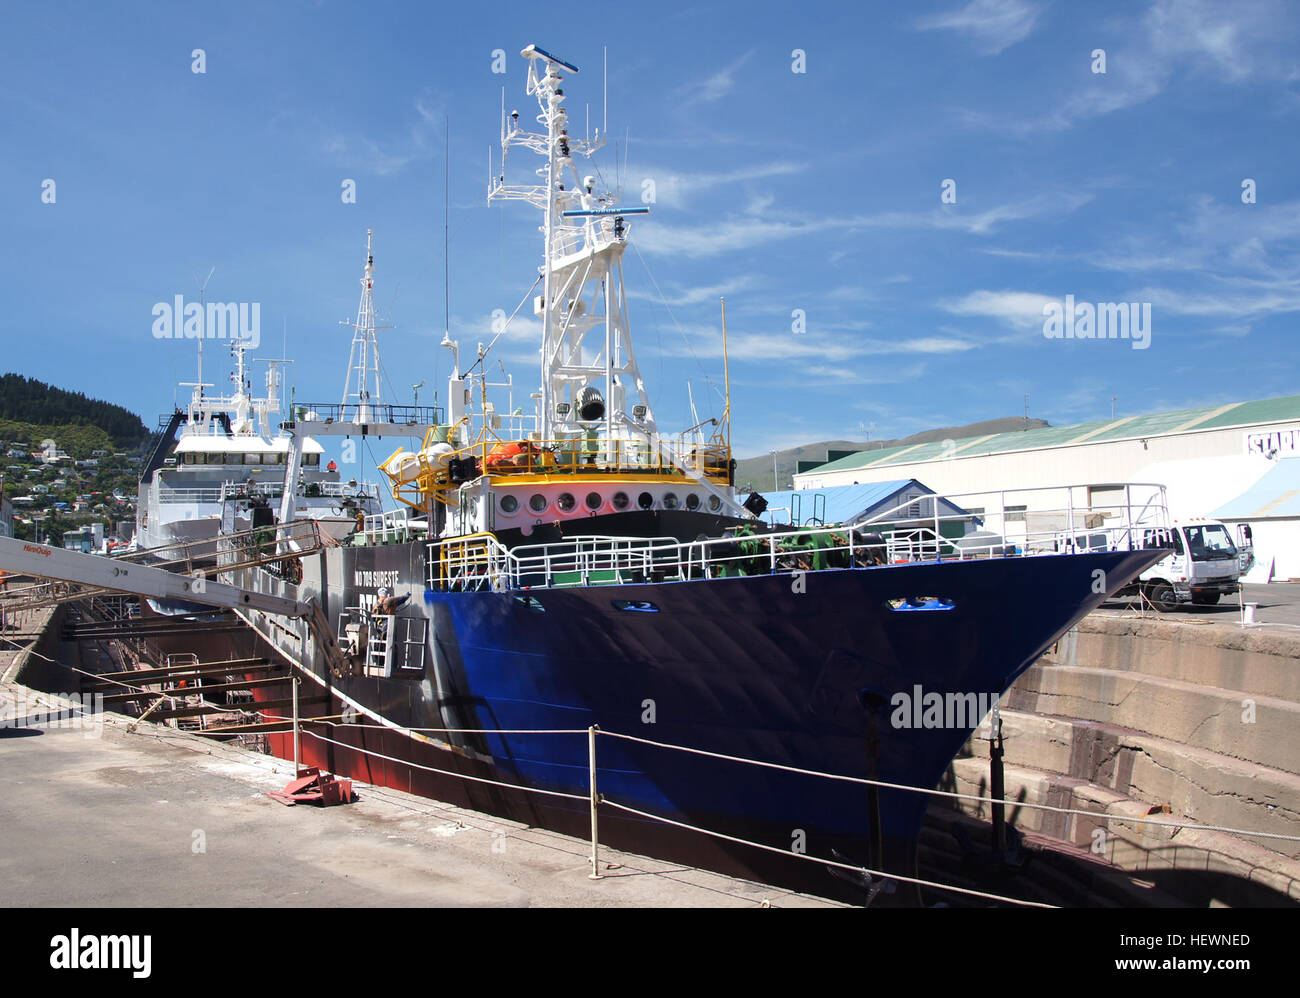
[(1125, 714)]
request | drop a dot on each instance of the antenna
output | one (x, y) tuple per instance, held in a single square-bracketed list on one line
[(627, 141), (365, 345), (604, 98), (726, 373), (446, 214), (202, 321)]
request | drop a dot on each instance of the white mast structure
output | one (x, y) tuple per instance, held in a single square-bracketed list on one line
[(589, 373), (363, 362)]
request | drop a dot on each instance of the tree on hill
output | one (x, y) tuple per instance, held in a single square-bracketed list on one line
[(30, 401)]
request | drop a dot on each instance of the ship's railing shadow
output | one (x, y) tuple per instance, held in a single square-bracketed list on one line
[(1132, 844)]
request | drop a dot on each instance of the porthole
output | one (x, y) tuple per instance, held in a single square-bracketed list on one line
[(692, 502), (509, 504), (537, 503), (594, 499), (620, 500), (715, 503), (670, 500), (566, 502), (645, 500)]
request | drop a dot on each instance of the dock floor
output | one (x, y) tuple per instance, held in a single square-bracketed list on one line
[(165, 818)]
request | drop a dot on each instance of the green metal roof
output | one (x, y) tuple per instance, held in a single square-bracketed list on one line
[(1151, 425)]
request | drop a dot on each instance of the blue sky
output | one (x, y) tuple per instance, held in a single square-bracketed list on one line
[(817, 191)]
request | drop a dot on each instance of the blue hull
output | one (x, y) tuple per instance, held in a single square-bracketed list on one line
[(752, 667)]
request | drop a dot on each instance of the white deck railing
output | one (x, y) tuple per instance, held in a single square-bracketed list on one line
[(395, 526), (902, 534)]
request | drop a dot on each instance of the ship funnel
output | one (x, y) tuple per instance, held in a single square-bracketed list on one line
[(591, 405)]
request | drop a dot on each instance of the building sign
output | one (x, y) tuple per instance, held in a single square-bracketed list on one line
[(1274, 443)]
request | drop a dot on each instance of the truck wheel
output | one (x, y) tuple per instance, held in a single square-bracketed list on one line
[(1205, 599), (1163, 597)]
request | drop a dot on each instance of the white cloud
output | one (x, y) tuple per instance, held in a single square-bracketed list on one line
[(686, 297), (1018, 309), (674, 188), (715, 86), (1233, 43), (747, 232), (388, 156), (837, 344), (994, 25)]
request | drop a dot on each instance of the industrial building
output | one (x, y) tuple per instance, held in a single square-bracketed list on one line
[(1236, 462)]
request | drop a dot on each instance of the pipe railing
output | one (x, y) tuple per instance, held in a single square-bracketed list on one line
[(894, 536)]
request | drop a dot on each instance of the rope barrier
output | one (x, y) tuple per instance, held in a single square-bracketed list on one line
[(948, 793), (826, 862), (444, 772)]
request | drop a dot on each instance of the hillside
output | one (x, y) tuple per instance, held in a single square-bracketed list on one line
[(27, 400), (756, 472), (99, 448)]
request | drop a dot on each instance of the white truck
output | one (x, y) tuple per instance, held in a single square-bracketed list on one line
[(1204, 564)]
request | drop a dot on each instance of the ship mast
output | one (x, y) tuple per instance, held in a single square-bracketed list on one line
[(363, 362), (590, 383)]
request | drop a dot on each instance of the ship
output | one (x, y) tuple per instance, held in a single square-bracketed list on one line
[(224, 446), (577, 577)]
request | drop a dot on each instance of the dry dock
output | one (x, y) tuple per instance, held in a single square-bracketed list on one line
[(162, 818)]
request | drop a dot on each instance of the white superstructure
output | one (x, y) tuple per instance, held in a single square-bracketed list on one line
[(230, 444)]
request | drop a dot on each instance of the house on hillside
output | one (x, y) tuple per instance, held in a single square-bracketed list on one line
[(50, 453)]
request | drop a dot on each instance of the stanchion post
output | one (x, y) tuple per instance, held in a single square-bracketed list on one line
[(997, 784), (595, 800), (297, 752)]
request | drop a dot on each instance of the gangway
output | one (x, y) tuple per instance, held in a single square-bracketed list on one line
[(110, 574), (201, 559)]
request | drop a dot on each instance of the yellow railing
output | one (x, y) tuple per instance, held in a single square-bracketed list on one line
[(467, 560)]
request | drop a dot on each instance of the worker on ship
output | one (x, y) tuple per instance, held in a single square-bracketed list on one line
[(387, 604)]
